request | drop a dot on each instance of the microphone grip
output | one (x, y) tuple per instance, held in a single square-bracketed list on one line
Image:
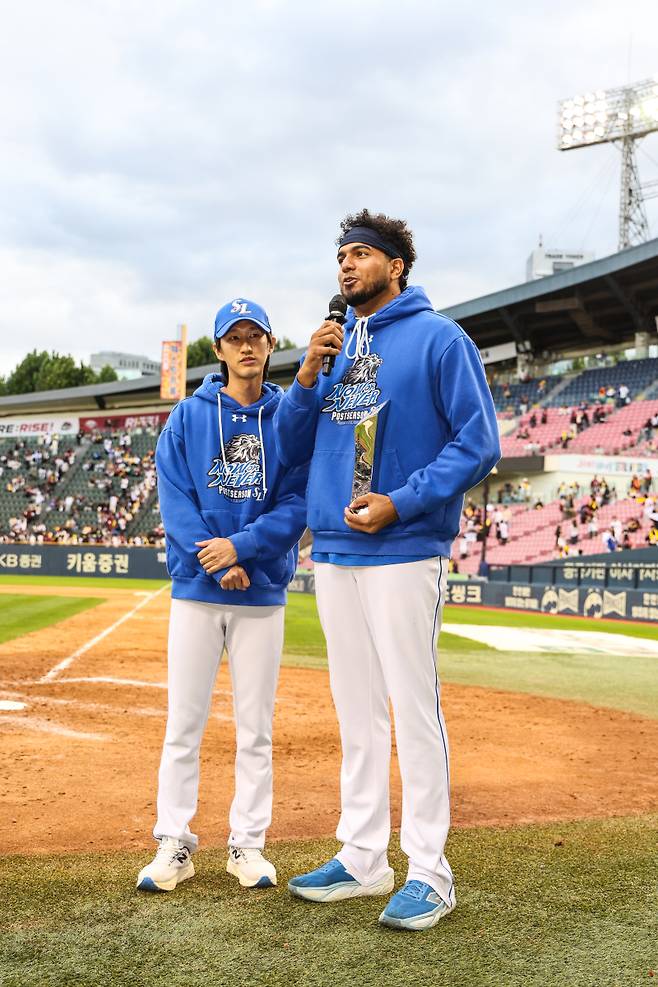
[(329, 361)]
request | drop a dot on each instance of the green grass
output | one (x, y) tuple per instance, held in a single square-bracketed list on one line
[(94, 582), (617, 682), (304, 643), (20, 614), (571, 904)]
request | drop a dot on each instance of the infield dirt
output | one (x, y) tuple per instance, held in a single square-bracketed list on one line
[(79, 763)]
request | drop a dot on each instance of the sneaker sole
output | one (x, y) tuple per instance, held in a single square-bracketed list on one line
[(418, 923), (261, 882), (148, 884), (344, 890)]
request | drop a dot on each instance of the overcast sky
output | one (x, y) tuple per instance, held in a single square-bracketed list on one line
[(158, 159)]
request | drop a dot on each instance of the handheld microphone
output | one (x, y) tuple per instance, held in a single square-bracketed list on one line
[(337, 313)]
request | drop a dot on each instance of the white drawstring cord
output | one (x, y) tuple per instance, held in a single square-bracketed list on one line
[(260, 435), (221, 430), (362, 341), (262, 446)]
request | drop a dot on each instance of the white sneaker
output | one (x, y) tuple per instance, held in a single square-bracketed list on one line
[(171, 865), (250, 867)]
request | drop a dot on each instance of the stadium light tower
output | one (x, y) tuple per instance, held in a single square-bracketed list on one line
[(616, 116)]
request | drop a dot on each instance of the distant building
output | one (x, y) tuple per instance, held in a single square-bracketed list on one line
[(542, 262), (128, 366)]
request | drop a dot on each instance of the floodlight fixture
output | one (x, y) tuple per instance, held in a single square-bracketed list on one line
[(619, 116)]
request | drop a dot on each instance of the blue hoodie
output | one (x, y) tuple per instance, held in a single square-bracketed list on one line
[(219, 475), (440, 434)]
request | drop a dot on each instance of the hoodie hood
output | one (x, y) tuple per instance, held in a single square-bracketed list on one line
[(411, 301), (211, 388)]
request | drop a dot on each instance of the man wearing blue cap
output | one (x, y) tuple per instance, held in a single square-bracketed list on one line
[(232, 516)]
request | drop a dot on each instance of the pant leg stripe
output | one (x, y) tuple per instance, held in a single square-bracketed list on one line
[(436, 674), (438, 711)]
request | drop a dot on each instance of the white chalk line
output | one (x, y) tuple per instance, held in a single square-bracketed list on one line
[(96, 707), (109, 680), (66, 662), (137, 683), (140, 684), (45, 726)]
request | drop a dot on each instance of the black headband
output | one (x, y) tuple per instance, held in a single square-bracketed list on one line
[(364, 234)]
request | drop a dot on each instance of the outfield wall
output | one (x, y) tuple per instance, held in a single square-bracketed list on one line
[(632, 571), (83, 560), (585, 601), (149, 563)]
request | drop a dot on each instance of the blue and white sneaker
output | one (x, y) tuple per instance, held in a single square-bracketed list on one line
[(331, 882), (416, 906)]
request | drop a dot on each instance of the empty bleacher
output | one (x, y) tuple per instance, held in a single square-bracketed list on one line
[(509, 398), (638, 375)]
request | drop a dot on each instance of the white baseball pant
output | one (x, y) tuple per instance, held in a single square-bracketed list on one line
[(253, 637), (381, 624)]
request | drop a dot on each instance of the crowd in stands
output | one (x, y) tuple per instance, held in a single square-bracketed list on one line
[(578, 520), (22, 464), (88, 494), (605, 429)]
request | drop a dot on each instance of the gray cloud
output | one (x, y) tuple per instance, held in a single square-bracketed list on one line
[(159, 158)]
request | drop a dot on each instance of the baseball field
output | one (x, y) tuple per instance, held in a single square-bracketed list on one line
[(553, 725)]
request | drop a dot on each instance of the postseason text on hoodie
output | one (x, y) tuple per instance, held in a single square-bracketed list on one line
[(440, 434), (219, 476)]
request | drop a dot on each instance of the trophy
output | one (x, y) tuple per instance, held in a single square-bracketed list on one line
[(368, 435)]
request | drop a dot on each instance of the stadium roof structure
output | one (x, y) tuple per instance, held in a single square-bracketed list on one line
[(122, 394), (597, 304)]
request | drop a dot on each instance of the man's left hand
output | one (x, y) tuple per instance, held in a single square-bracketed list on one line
[(379, 512), (216, 554)]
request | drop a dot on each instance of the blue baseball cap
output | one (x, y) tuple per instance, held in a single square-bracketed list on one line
[(236, 311)]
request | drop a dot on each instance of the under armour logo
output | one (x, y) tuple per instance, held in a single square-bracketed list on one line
[(239, 418), (370, 339)]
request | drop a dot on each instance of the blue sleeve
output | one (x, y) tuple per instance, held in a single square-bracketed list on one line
[(274, 533), (295, 422), (465, 399), (179, 506)]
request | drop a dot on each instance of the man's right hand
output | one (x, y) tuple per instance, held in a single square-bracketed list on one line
[(325, 341), (235, 578)]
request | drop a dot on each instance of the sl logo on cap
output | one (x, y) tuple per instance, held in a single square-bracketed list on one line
[(239, 306)]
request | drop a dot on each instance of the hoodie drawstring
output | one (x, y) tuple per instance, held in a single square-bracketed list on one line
[(221, 430), (262, 447), (260, 436), (362, 341)]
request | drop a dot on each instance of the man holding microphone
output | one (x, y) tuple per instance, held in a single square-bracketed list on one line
[(381, 556)]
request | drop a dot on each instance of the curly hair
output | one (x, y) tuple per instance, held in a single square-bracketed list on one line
[(395, 230)]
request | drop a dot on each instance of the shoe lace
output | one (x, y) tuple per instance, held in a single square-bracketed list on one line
[(329, 866), (414, 889), (171, 850), (247, 853)]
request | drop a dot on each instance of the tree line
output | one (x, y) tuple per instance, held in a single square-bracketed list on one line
[(44, 371)]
